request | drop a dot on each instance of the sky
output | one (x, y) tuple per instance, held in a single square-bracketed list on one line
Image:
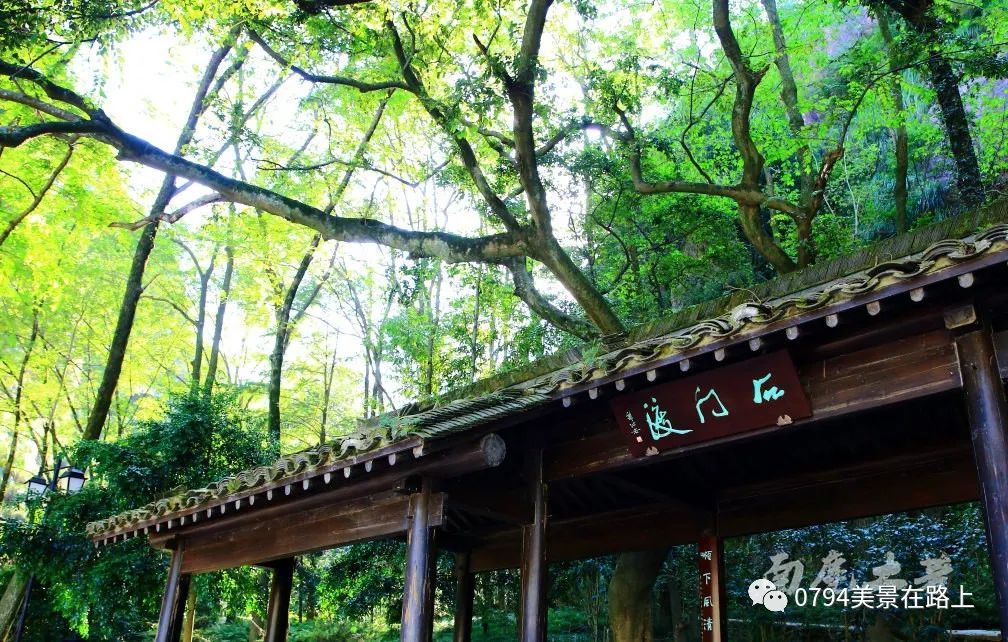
[(146, 88)]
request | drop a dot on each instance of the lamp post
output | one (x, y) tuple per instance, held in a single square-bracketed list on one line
[(39, 487)]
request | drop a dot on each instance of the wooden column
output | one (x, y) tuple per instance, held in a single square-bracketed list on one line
[(173, 600), (416, 614), (465, 589), (988, 417), (533, 565), (431, 589), (278, 611), (712, 588), (179, 609)]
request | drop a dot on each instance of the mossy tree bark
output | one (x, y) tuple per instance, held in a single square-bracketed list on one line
[(630, 595)]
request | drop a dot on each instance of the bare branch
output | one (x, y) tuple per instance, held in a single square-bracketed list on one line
[(175, 306), (346, 81), (14, 222), (174, 217)]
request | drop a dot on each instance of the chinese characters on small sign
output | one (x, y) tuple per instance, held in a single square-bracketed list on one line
[(756, 393), (835, 585), (708, 564)]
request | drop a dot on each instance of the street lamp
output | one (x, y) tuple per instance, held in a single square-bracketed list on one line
[(74, 479), (65, 476), (38, 487)]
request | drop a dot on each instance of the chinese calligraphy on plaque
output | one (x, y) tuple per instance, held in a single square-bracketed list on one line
[(756, 393)]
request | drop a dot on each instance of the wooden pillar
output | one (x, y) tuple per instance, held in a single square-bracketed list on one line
[(179, 609), (431, 590), (712, 588), (533, 565), (417, 612), (988, 417), (465, 589), (278, 611), (173, 600)]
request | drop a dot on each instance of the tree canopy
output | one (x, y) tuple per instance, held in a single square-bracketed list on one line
[(323, 209)]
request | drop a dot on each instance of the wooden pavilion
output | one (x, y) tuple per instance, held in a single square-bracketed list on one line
[(786, 405)]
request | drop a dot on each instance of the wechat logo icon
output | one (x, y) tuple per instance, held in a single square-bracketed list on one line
[(763, 591)]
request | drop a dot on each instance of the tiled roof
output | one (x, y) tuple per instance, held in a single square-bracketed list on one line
[(907, 259), (384, 437)]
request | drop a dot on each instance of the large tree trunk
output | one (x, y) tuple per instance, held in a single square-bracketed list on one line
[(145, 245), (946, 86), (789, 96), (204, 287), (282, 336), (900, 131), (189, 622), (581, 288), (917, 13), (10, 602), (124, 326), (630, 595)]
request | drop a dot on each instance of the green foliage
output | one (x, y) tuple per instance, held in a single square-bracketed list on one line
[(113, 593), (375, 328), (955, 531)]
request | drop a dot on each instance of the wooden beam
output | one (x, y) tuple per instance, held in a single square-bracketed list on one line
[(861, 380), (465, 591), (278, 611), (416, 603), (534, 568), (170, 603), (508, 505), (988, 417), (477, 454), (924, 477), (314, 529), (915, 480), (632, 529)]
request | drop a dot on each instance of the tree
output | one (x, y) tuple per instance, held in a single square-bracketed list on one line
[(145, 245), (920, 16), (606, 162), (630, 598), (287, 294)]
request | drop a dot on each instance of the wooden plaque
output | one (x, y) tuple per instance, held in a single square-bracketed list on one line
[(756, 393)]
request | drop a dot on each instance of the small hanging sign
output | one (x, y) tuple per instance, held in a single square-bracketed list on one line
[(751, 394)]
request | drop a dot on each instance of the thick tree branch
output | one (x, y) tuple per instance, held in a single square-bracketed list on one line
[(521, 91), (738, 193), (51, 89), (466, 152), (746, 81), (15, 136), (450, 247), (525, 289)]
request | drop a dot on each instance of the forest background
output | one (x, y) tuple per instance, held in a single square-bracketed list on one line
[(233, 229)]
